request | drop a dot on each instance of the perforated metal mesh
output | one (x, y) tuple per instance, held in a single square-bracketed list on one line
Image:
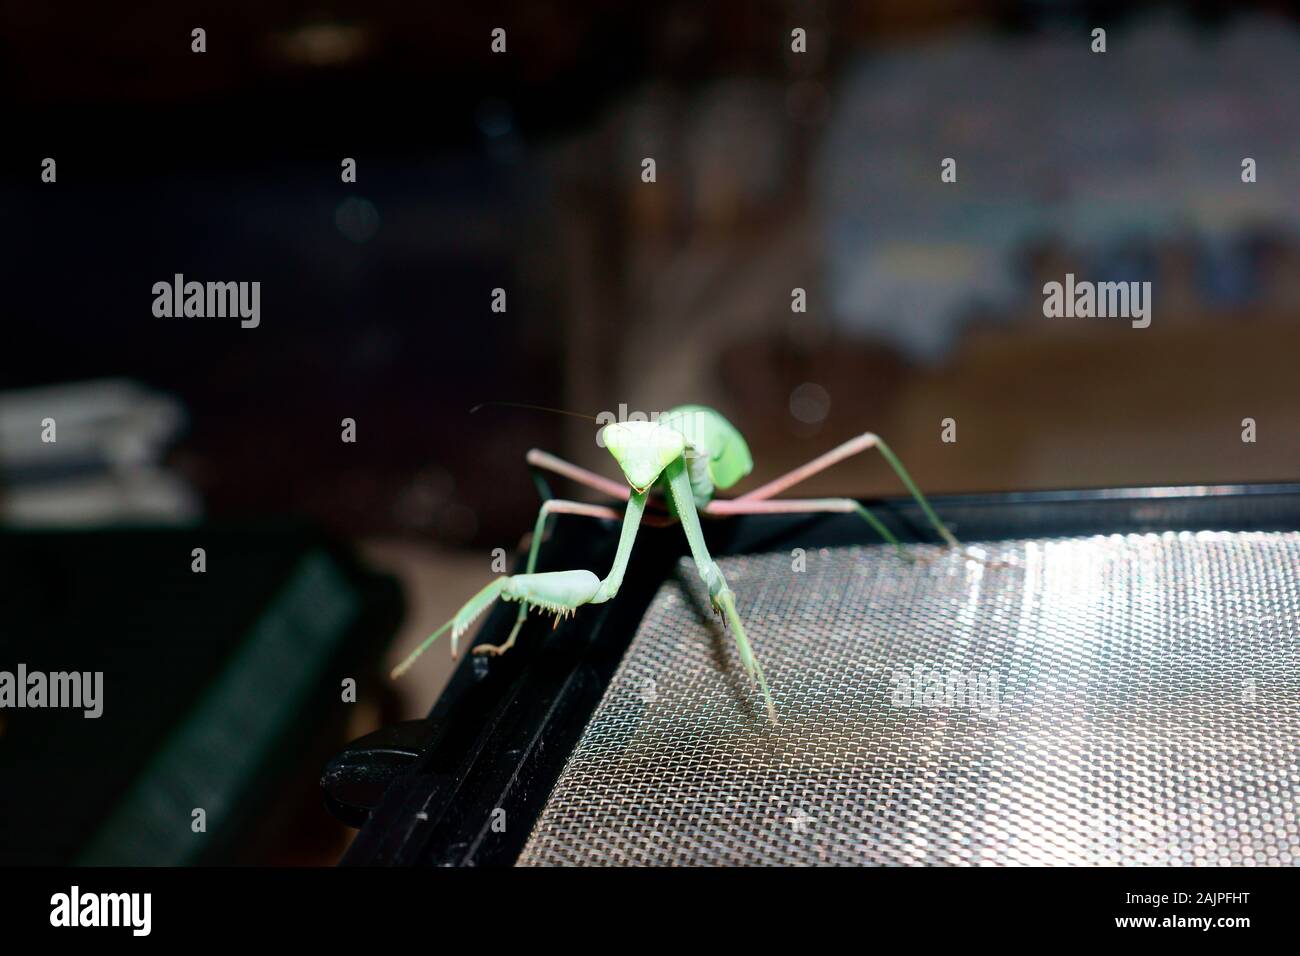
[(1106, 700)]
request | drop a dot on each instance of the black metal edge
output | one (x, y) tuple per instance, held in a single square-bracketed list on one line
[(498, 716), (500, 735), (998, 517)]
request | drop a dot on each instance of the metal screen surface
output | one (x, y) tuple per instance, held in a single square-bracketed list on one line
[(1104, 700)]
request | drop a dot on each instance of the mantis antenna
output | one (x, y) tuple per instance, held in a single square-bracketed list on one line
[(536, 408)]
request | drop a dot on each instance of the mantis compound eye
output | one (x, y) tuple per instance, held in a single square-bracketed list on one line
[(642, 450)]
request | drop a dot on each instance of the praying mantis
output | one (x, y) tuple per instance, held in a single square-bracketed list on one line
[(679, 462)]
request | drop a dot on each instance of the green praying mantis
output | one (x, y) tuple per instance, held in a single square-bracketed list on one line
[(676, 464)]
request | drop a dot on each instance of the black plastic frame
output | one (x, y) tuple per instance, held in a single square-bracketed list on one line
[(428, 792)]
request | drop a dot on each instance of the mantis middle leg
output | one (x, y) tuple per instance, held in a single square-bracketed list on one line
[(743, 506), (537, 458)]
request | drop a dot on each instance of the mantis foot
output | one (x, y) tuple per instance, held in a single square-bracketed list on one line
[(970, 555), (494, 650)]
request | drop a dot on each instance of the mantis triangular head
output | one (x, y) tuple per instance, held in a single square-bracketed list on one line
[(643, 450)]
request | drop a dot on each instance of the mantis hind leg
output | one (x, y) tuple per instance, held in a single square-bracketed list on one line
[(739, 506), (854, 446)]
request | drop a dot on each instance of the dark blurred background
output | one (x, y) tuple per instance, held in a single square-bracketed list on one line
[(776, 170)]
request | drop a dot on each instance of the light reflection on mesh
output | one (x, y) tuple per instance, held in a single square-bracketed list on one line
[(1138, 703)]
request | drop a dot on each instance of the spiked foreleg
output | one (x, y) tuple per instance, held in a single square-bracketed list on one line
[(556, 592), (549, 507), (608, 587), (498, 588)]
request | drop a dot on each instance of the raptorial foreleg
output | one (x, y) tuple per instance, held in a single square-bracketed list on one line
[(555, 592), (548, 508)]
